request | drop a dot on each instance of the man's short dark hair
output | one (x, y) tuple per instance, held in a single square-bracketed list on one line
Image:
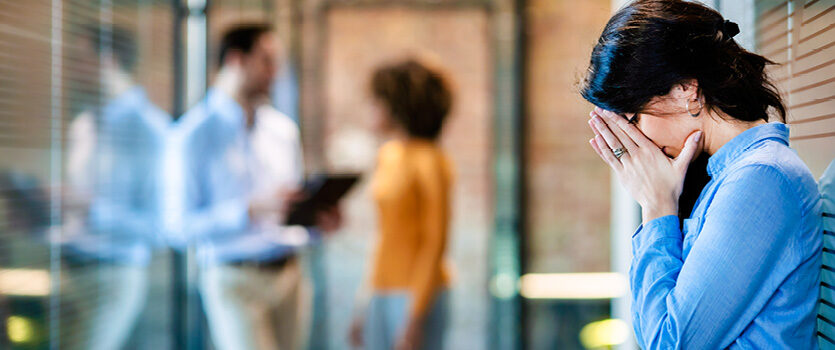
[(241, 37), (118, 41)]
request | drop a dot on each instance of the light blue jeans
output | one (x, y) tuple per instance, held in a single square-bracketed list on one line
[(387, 315)]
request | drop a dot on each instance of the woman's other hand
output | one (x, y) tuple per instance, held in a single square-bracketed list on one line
[(652, 178), (355, 332), (412, 335)]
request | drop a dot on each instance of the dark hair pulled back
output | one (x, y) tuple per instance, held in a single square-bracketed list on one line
[(650, 45)]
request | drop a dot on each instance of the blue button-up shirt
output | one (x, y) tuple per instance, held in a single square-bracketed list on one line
[(114, 160), (227, 166), (743, 271)]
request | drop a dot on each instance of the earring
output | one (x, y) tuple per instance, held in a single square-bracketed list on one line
[(687, 105)]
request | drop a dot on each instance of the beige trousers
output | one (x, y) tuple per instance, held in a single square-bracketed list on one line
[(255, 308)]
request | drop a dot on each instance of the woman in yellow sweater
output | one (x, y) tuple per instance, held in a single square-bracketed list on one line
[(411, 187)]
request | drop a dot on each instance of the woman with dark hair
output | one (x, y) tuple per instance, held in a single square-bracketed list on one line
[(412, 186), (741, 271)]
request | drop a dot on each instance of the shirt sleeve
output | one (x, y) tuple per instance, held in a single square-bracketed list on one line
[(734, 267), (214, 205), (223, 217), (110, 209), (109, 214), (434, 215)]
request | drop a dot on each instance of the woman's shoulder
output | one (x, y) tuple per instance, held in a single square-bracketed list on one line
[(420, 154), (776, 155), (428, 158), (428, 153), (781, 163), (391, 151)]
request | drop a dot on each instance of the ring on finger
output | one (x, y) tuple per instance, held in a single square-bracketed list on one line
[(618, 152)]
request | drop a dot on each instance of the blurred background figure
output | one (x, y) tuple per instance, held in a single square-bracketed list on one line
[(112, 218), (243, 164), (412, 188)]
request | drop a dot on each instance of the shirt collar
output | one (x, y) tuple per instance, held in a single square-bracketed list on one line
[(131, 101), (732, 150), (223, 104), (128, 99)]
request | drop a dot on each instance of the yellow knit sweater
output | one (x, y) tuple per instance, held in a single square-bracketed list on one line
[(411, 187)]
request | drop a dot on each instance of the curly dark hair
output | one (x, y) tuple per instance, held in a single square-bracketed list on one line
[(416, 96)]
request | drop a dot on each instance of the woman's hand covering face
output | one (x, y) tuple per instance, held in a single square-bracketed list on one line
[(652, 178)]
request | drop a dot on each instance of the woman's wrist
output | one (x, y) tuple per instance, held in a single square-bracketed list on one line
[(651, 213)]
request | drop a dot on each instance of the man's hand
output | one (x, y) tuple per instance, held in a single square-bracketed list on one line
[(278, 204), (288, 199), (329, 220)]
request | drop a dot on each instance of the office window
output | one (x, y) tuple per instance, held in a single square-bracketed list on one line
[(86, 94), (798, 35)]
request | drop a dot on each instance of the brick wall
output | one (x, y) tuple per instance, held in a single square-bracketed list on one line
[(568, 185)]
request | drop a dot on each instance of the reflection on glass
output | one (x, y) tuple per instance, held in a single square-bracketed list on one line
[(113, 220)]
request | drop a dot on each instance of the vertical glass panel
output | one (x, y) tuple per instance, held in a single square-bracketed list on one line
[(115, 289), (29, 175), (86, 95), (568, 185)]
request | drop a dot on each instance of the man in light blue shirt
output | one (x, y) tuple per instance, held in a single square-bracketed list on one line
[(242, 159)]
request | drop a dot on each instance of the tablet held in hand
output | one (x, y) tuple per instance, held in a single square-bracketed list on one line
[(322, 192)]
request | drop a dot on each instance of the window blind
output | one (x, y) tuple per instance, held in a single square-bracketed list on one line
[(800, 36), (64, 67)]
